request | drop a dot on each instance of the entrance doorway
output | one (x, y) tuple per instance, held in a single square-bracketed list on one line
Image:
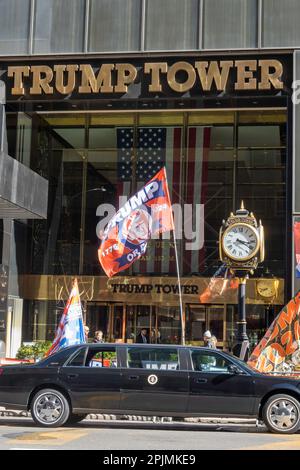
[(108, 317), (200, 318), (162, 323), (120, 322), (97, 318)]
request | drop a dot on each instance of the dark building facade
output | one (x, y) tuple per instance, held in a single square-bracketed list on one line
[(99, 96)]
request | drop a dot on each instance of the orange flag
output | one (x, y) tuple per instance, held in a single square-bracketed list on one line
[(279, 350)]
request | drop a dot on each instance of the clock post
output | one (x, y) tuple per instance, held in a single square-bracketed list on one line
[(241, 248)]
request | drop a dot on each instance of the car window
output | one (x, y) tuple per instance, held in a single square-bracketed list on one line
[(153, 358), (209, 362), (78, 359), (59, 358), (105, 358)]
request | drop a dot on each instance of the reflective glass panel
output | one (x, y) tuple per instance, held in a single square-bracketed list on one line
[(171, 24), (280, 23), (14, 26), (114, 25), (229, 23), (59, 26)]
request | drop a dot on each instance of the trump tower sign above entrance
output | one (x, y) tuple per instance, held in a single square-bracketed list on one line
[(140, 78)]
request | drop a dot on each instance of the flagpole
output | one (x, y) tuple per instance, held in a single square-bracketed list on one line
[(177, 267), (180, 292)]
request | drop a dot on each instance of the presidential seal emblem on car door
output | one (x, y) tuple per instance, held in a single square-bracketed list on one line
[(152, 379)]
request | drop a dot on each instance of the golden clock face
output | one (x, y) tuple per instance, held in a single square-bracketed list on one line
[(240, 242), (266, 289)]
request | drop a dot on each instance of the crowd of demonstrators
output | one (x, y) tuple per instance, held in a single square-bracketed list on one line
[(210, 341)]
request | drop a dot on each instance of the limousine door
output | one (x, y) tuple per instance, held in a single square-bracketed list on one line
[(153, 381), (93, 379), (215, 390)]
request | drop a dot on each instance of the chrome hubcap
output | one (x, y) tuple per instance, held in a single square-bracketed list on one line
[(48, 408), (283, 414)]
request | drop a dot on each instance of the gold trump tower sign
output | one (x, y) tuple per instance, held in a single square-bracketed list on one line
[(109, 78)]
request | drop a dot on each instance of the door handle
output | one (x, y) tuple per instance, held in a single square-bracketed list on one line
[(72, 376), (201, 381), (134, 377)]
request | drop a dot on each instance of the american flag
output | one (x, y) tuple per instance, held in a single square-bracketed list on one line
[(158, 147), (199, 139)]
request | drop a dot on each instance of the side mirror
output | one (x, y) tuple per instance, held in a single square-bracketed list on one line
[(233, 369)]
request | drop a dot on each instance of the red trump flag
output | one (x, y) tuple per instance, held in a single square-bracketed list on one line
[(145, 214)]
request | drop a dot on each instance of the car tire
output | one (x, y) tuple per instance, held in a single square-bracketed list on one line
[(281, 414), (50, 408), (75, 418)]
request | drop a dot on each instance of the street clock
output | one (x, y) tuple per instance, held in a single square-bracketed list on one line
[(242, 247), (241, 241)]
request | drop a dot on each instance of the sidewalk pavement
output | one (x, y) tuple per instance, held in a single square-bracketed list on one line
[(167, 419)]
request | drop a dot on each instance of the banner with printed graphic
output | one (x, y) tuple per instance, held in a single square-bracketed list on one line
[(279, 350), (145, 214)]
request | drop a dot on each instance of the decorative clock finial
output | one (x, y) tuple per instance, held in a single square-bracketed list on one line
[(242, 205)]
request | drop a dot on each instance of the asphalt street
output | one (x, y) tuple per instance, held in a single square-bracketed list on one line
[(21, 433)]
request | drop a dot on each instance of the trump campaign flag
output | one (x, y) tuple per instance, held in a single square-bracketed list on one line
[(70, 330), (279, 349), (145, 214)]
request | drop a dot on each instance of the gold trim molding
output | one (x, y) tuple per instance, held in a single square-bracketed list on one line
[(142, 290)]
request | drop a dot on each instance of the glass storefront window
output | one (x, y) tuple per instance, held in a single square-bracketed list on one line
[(162, 324), (196, 323), (259, 318), (139, 317), (168, 324), (92, 159), (59, 26), (97, 318), (261, 183), (204, 317), (40, 320)]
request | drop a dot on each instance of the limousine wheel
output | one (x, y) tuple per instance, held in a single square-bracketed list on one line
[(50, 408), (281, 414)]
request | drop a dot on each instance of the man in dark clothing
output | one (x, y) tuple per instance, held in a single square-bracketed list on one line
[(142, 336)]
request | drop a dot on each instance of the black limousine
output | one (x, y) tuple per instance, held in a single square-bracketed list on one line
[(152, 380)]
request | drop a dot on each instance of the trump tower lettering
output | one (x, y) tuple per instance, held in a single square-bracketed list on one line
[(145, 214)]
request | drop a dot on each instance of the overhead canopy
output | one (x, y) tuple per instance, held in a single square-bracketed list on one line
[(23, 193)]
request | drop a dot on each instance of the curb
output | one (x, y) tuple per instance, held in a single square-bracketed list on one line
[(155, 419)]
